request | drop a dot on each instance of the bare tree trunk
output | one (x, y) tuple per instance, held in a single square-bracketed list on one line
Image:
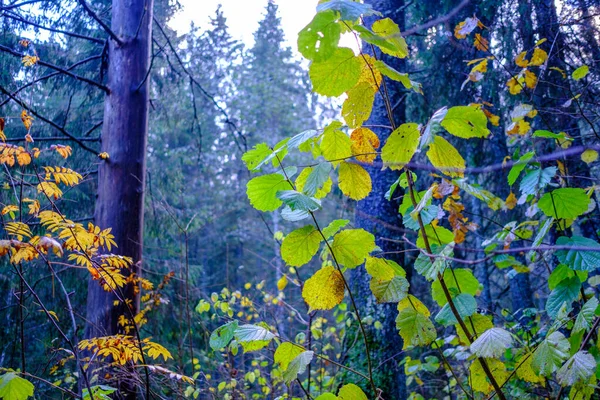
[(121, 183)]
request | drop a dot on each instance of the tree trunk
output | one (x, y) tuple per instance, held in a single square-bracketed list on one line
[(380, 217), (121, 183)]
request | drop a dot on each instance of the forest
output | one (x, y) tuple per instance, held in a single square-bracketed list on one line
[(398, 201)]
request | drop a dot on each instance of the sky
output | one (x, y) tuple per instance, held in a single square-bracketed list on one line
[(243, 16)]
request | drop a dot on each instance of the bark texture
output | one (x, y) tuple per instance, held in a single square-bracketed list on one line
[(121, 183)]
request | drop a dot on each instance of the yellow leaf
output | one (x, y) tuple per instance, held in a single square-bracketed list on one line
[(324, 290), (23, 157), (481, 43), (49, 189), (514, 86), (285, 354), (369, 72), (530, 79), (525, 370), (521, 61), (446, 158), (34, 206), (9, 208), (412, 302), (29, 61), (282, 283), (354, 181), (511, 201), (27, 119), (359, 104), (64, 151), (390, 31), (104, 156), (539, 57), (335, 145), (478, 378), (589, 156), (364, 144), (400, 146), (465, 27)]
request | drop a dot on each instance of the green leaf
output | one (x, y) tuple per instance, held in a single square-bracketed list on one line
[(578, 368), (336, 145), (492, 343), (358, 105), (354, 181), (565, 293), (393, 74), (262, 191), (297, 366), (579, 260), (560, 273), (430, 270), (298, 201), (352, 246), (327, 396), (536, 180), (586, 316), (394, 44), (454, 279), (478, 192), (293, 216), (516, 169), (415, 328), (301, 138), (465, 304), (349, 10), (316, 180), (400, 146), (334, 226), (300, 246), (580, 72), (285, 354), (100, 392), (252, 158), (466, 122), (548, 135), (428, 214), (253, 337), (337, 74), (564, 203), (389, 291), (351, 392), (383, 269), (438, 235), (319, 39), (13, 387), (221, 336), (550, 353), (446, 158)]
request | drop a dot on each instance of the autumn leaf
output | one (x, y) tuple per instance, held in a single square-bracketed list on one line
[(364, 144), (324, 290)]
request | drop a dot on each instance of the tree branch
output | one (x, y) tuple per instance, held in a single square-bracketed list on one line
[(46, 120), (73, 34), (103, 24), (57, 68)]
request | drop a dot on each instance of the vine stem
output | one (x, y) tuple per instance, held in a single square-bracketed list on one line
[(346, 286), (411, 188)]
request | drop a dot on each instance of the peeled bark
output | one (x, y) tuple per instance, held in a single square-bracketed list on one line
[(121, 183)]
